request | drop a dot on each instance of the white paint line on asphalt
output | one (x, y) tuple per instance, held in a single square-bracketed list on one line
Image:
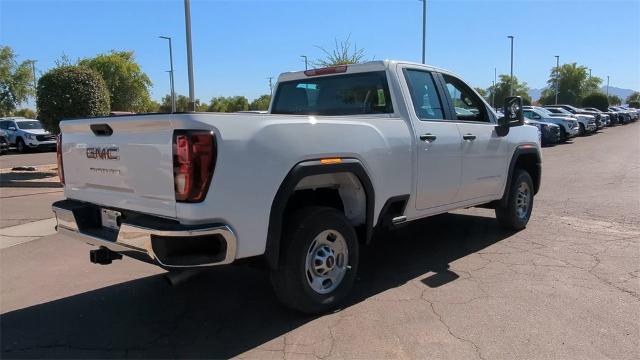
[(23, 233)]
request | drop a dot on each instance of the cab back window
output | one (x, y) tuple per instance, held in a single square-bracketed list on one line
[(351, 94)]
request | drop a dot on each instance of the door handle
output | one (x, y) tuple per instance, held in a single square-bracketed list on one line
[(428, 137), (469, 137)]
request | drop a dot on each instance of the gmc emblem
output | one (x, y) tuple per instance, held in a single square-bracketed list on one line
[(103, 153)]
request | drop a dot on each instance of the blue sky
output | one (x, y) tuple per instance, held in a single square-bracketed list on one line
[(238, 44)]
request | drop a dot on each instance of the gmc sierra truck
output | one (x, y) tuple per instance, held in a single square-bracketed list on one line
[(343, 153)]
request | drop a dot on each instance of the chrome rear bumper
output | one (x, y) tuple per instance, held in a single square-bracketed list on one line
[(145, 242)]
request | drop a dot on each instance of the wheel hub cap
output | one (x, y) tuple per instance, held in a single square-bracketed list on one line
[(327, 261), (523, 199)]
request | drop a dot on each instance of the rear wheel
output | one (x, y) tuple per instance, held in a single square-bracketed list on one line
[(515, 215), (582, 130), (319, 260)]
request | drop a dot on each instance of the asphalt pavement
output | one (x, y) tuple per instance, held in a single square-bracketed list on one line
[(454, 286)]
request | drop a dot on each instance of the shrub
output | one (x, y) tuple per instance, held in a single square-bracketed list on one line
[(70, 92), (596, 100), (634, 104)]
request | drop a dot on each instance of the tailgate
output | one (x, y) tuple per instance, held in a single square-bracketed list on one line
[(132, 168)]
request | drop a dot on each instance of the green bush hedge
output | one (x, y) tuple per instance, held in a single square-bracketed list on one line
[(70, 92)]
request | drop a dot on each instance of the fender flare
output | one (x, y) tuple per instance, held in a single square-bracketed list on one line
[(287, 188), (521, 150)]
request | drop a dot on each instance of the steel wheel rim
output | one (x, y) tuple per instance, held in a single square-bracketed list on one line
[(327, 261), (523, 200)]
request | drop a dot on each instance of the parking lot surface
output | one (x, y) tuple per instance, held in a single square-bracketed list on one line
[(452, 287)]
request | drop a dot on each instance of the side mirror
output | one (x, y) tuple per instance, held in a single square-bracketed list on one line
[(513, 115), (11, 128)]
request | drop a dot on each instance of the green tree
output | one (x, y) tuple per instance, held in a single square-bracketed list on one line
[(70, 92), (261, 103), (182, 104), (128, 85), (596, 100), (634, 104), (15, 81), (342, 54), (26, 113), (228, 104), (218, 104), (502, 89), (574, 84), (614, 100), (635, 96)]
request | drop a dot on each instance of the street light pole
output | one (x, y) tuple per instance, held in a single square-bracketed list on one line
[(270, 85), (306, 67), (173, 92), (557, 77), (493, 93), (35, 82), (511, 82), (607, 86), (589, 73), (424, 31), (187, 20)]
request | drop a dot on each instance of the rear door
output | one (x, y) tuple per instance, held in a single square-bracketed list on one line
[(131, 168), (437, 142), (483, 151)]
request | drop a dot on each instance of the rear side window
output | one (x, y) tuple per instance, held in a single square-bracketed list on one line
[(424, 95), (351, 94)]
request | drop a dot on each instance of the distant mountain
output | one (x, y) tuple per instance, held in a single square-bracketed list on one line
[(619, 92), (535, 94)]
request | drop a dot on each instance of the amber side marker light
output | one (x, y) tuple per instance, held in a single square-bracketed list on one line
[(330, 161)]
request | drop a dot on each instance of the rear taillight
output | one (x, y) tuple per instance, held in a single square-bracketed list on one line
[(194, 158), (59, 158)]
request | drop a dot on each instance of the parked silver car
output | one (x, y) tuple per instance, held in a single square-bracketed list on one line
[(568, 125)]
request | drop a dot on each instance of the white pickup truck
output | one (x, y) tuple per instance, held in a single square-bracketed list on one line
[(342, 153)]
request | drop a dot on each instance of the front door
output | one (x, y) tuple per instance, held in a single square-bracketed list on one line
[(483, 151), (437, 143)]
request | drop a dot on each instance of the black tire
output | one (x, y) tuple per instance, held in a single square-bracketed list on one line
[(21, 147), (582, 131), (290, 280), (513, 216)]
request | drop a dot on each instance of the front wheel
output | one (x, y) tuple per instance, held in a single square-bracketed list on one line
[(20, 146), (583, 130), (319, 260), (515, 215)]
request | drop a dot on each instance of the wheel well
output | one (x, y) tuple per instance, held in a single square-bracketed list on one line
[(341, 191), (531, 164)]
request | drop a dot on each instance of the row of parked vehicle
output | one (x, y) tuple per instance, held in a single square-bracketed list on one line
[(559, 123)]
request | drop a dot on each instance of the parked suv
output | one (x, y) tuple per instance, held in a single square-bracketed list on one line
[(27, 134), (574, 110), (343, 153), (568, 125), (586, 123)]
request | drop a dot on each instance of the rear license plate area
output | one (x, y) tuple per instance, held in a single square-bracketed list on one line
[(110, 219)]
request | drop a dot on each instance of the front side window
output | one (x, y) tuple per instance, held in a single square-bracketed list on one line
[(530, 114), (29, 125), (424, 95), (350, 94), (467, 105)]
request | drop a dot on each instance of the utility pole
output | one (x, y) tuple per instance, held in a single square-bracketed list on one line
[(306, 66), (173, 92), (511, 81), (557, 77), (187, 20), (270, 85), (493, 93), (424, 31), (35, 81)]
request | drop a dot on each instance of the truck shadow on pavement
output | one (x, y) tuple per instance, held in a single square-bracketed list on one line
[(226, 311)]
